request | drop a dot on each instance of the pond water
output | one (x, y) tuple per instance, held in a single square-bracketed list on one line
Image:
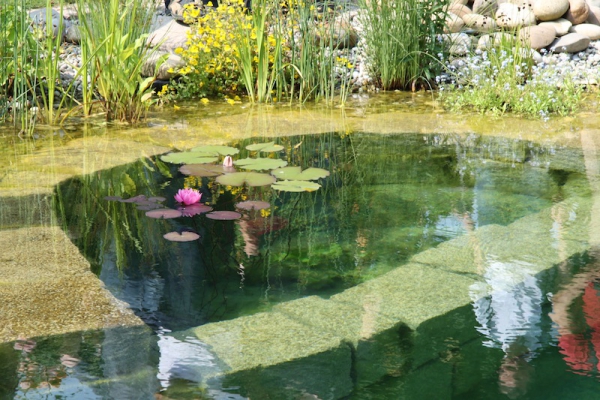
[(387, 198)]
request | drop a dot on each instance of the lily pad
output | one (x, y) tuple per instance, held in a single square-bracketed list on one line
[(189, 157), (204, 170), (135, 199), (194, 209), (156, 199), (260, 163), (246, 178), (216, 150), (224, 215), (296, 173), (296, 186), (163, 213), (265, 147), (253, 205), (185, 236)]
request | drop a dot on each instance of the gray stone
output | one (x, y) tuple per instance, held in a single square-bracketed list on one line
[(578, 11), (73, 34), (480, 23), (460, 43), (493, 40), (171, 62), (561, 26), (570, 43), (537, 37), (511, 16), (169, 37), (549, 10), (39, 21), (590, 30)]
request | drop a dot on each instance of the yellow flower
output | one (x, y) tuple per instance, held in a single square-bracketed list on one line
[(230, 102), (204, 101)]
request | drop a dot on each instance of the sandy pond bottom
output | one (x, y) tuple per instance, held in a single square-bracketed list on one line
[(334, 270)]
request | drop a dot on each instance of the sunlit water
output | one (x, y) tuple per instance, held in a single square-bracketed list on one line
[(387, 198)]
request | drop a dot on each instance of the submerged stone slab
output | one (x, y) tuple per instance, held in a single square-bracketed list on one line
[(379, 343), (46, 287), (301, 356), (411, 294)]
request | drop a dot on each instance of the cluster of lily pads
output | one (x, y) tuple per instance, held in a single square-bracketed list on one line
[(199, 162), (202, 162)]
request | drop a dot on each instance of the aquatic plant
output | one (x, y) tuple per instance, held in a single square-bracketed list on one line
[(113, 52), (188, 196), (401, 54)]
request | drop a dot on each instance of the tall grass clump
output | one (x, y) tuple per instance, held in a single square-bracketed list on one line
[(505, 79), (17, 61), (113, 48), (402, 40)]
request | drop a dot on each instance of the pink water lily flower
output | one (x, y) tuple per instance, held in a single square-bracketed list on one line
[(188, 196), (228, 161)]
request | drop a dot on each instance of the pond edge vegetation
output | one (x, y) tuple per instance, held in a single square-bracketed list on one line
[(288, 52)]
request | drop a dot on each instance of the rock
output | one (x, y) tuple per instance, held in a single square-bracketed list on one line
[(459, 9), (493, 40), (172, 61), (511, 16), (590, 30), (341, 35), (73, 34), (485, 7), (549, 10), (570, 43), (463, 2), (454, 23), (460, 43), (480, 23), (38, 21), (594, 15), (537, 37), (578, 12), (169, 37), (561, 26)]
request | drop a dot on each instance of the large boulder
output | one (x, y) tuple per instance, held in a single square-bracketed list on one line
[(169, 37), (578, 11), (485, 7), (549, 10), (561, 26), (512, 16), (480, 23), (537, 37), (594, 15), (590, 30), (570, 43)]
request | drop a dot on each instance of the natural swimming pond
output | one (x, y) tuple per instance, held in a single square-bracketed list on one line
[(386, 201)]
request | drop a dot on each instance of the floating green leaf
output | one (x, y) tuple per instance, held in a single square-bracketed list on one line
[(163, 213), (216, 150), (296, 173), (247, 178), (189, 157), (296, 186), (265, 147), (204, 170), (260, 163)]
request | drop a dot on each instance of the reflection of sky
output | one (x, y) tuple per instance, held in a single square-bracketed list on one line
[(70, 388)]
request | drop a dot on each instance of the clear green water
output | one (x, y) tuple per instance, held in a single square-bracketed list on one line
[(388, 197)]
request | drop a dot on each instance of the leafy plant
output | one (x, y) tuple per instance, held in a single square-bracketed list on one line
[(113, 46)]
